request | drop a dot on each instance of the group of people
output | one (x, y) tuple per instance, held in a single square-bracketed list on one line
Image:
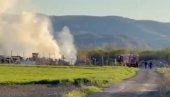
[(148, 64)]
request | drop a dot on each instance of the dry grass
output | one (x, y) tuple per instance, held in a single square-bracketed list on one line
[(165, 83)]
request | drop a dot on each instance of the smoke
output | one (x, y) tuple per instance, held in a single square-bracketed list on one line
[(66, 41), (26, 33), (5, 4)]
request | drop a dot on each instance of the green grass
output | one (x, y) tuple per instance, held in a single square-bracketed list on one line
[(17, 74), (83, 92), (91, 89), (75, 94)]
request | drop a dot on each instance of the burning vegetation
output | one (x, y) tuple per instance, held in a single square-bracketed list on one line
[(28, 32)]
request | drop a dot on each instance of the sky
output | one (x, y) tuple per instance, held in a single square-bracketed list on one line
[(136, 9)]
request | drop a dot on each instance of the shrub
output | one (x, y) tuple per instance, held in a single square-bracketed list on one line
[(85, 91), (75, 94), (91, 90)]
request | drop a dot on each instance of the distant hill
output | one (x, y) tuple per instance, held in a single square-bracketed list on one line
[(114, 31)]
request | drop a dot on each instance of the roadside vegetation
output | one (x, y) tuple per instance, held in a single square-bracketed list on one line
[(165, 84), (83, 92), (83, 54)]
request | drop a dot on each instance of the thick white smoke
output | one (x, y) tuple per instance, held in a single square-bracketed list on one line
[(5, 4), (27, 33), (66, 41)]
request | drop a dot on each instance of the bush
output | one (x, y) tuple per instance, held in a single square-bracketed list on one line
[(91, 90), (85, 91), (75, 94), (81, 81)]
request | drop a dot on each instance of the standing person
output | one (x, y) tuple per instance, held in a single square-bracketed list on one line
[(145, 63), (150, 65)]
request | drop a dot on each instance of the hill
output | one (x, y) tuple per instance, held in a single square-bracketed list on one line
[(114, 31)]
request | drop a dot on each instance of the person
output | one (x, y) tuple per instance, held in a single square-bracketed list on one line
[(150, 65), (145, 64)]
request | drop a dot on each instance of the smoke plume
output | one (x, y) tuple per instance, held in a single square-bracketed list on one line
[(5, 4), (66, 41), (26, 33)]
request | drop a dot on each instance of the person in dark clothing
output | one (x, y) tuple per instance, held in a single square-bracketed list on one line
[(150, 65), (145, 64)]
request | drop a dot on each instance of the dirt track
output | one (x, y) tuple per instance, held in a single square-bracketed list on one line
[(144, 84), (33, 90)]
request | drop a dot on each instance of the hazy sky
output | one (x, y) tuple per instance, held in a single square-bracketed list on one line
[(136, 9)]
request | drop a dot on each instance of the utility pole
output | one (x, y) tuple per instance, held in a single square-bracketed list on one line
[(102, 60), (95, 61)]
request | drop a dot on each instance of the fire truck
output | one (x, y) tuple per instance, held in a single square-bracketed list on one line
[(131, 60)]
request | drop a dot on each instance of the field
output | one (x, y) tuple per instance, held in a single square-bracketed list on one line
[(22, 80), (21, 74)]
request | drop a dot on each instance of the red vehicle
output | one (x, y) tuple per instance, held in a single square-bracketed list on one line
[(130, 60)]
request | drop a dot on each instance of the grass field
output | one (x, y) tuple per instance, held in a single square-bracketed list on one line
[(21, 74)]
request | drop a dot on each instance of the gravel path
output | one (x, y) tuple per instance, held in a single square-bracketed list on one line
[(144, 84)]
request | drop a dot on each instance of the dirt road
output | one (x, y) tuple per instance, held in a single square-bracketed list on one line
[(144, 84), (33, 90)]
